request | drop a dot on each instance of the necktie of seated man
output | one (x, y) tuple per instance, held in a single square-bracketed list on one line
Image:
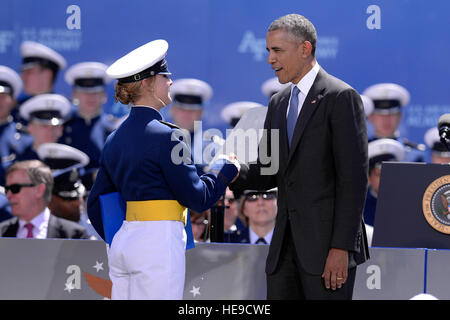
[(261, 241), (292, 114), (29, 227)]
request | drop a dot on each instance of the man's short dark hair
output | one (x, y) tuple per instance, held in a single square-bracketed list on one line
[(298, 26)]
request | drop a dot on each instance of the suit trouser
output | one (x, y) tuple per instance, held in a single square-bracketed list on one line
[(147, 260), (291, 281)]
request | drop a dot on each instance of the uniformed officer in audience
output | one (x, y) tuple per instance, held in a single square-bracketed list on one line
[(259, 207), (233, 112), (68, 194), (272, 86), (189, 99), (11, 141), (389, 100), (45, 115), (88, 126), (379, 150), (439, 152), (40, 69)]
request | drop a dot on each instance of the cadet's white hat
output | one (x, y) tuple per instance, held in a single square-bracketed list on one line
[(272, 86), (368, 104), (232, 112), (10, 81), (64, 161), (61, 156), (87, 76), (433, 141), (47, 108), (385, 150), (387, 97), (34, 53), (190, 93), (143, 62)]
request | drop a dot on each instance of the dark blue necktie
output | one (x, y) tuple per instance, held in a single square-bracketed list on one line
[(292, 114)]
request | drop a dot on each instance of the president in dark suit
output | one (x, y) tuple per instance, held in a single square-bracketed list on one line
[(28, 189), (319, 235)]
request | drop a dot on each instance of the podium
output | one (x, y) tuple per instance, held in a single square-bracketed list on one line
[(413, 206)]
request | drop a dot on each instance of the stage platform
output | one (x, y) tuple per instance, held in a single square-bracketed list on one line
[(78, 270)]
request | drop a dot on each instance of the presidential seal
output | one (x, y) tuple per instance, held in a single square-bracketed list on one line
[(436, 204)]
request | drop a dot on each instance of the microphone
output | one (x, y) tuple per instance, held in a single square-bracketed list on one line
[(444, 129)]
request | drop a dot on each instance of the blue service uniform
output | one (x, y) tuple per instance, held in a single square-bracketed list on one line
[(89, 137), (12, 143), (140, 161), (412, 153)]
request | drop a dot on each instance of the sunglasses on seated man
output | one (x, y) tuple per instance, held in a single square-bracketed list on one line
[(253, 196), (16, 187)]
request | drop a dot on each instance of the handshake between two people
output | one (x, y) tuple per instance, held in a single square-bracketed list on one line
[(231, 157)]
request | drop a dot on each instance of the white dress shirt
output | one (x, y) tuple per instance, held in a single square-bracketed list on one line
[(304, 85), (254, 237), (40, 226)]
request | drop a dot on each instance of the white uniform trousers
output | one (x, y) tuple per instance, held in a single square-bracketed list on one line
[(147, 260)]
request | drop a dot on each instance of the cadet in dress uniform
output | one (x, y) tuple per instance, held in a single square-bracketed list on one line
[(143, 161), (189, 97), (88, 125), (379, 150), (40, 68), (389, 99), (233, 112), (67, 164), (272, 86), (439, 153), (45, 115), (11, 141)]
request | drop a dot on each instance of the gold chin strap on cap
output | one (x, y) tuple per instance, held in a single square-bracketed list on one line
[(156, 210)]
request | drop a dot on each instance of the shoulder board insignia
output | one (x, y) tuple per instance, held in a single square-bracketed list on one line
[(169, 124)]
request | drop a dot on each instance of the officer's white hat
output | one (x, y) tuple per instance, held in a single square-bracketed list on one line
[(387, 97), (47, 108), (34, 53), (190, 93), (64, 161), (143, 62), (10, 81), (87, 76), (368, 105), (385, 150), (232, 112), (272, 86), (433, 141)]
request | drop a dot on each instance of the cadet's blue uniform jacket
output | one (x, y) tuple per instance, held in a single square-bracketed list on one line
[(137, 162)]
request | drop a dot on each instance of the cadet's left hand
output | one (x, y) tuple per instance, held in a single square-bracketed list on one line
[(335, 272)]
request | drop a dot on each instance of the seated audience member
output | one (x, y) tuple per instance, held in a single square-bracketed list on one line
[(233, 112), (68, 194), (88, 125), (439, 153), (39, 71), (389, 99), (260, 209), (45, 115), (11, 141), (28, 188), (272, 86), (232, 220), (379, 150), (199, 222)]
